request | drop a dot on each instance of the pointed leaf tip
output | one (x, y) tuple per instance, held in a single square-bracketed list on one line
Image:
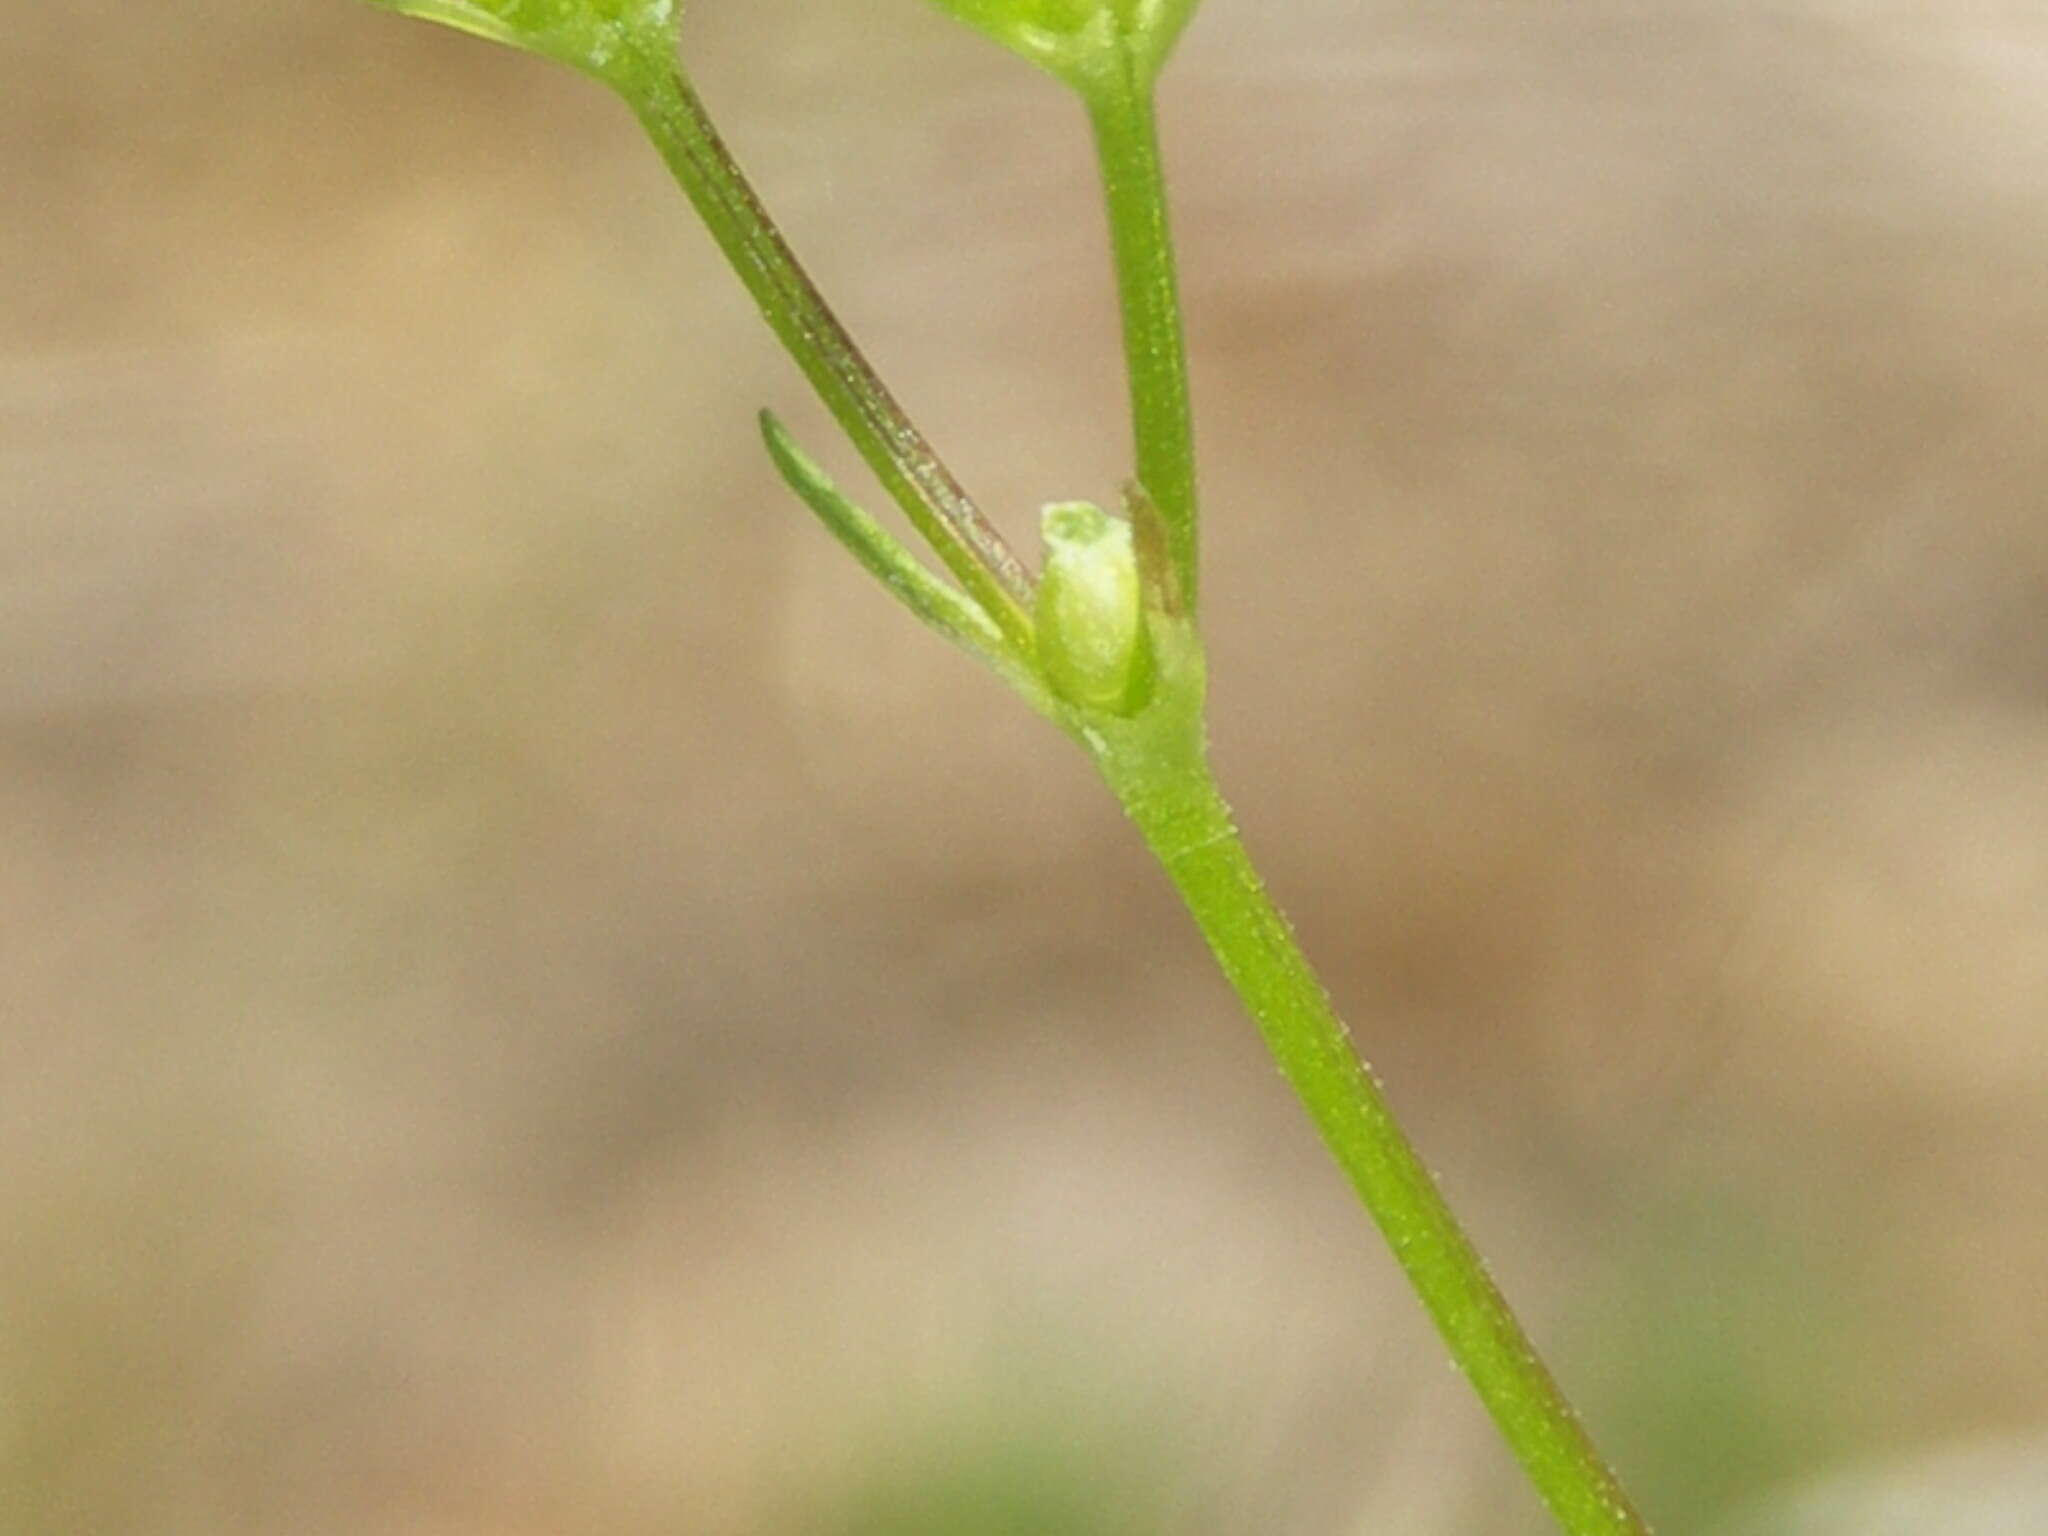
[(951, 612)]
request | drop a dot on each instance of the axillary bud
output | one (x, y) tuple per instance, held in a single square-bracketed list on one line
[(1092, 641)]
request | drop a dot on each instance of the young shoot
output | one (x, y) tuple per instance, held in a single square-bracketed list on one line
[(1107, 642)]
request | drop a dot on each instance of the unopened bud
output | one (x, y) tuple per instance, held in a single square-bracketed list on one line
[(1092, 640)]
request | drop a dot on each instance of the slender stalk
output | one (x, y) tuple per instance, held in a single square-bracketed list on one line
[(1167, 789), (1121, 111), (1157, 765), (913, 474)]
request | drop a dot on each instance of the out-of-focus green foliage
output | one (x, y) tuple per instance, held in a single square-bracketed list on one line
[(1731, 1339), (1058, 1456)]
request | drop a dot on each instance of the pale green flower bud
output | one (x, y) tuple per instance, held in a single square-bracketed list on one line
[(1081, 41), (1092, 640)]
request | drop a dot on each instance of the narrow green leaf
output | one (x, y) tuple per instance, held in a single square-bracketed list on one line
[(945, 609), (604, 38)]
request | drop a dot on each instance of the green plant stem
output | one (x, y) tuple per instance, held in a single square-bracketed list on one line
[(1125, 122), (1157, 768), (1155, 762), (909, 469), (1157, 765)]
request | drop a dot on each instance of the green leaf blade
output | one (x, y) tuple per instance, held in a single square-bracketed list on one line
[(938, 606)]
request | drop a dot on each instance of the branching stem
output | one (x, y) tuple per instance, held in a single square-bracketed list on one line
[(1149, 743), (909, 469)]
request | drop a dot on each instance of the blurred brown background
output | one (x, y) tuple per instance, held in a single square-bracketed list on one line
[(536, 1003)]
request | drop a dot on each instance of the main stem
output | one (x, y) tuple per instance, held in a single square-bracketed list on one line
[(909, 469), (1158, 767), (1175, 803)]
